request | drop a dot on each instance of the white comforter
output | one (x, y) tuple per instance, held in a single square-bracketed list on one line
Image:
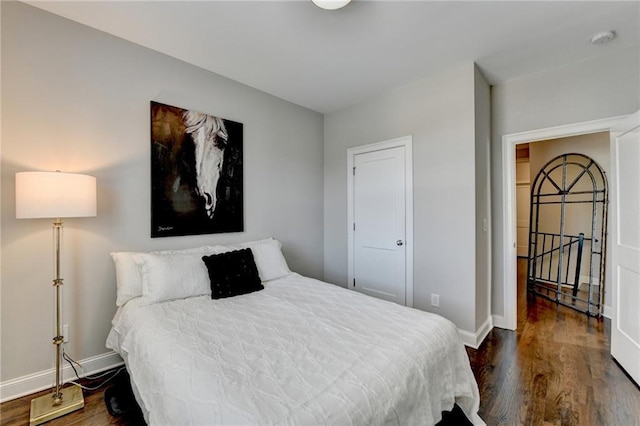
[(298, 352)]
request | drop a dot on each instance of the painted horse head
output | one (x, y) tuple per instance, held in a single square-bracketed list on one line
[(209, 139)]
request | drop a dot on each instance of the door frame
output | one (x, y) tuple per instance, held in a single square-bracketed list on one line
[(407, 143), (509, 249)]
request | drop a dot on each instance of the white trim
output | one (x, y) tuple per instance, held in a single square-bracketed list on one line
[(31, 383), (498, 321), (407, 143), (509, 253), (474, 340), (468, 338), (483, 331), (607, 311), (509, 243)]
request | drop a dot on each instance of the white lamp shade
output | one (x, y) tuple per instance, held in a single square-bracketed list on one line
[(331, 4), (54, 195)]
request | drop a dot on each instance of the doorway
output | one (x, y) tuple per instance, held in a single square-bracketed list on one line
[(380, 220), (509, 144)]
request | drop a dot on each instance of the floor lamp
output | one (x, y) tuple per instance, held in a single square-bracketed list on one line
[(55, 195)]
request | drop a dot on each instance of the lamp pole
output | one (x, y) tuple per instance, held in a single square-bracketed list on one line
[(58, 339)]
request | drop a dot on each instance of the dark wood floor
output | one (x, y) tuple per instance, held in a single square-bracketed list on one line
[(94, 413), (555, 370)]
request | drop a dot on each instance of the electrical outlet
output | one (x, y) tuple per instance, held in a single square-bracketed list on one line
[(435, 300), (65, 333), (485, 225)]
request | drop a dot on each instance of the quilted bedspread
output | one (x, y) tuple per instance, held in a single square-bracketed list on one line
[(298, 352)]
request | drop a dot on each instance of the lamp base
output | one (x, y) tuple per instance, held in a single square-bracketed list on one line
[(43, 410)]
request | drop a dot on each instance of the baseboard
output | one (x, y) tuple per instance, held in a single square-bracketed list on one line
[(25, 385), (584, 279), (467, 337), (474, 340), (607, 311), (483, 331), (499, 321)]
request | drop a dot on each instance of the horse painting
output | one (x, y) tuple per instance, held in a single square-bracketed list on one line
[(196, 173), (209, 138)]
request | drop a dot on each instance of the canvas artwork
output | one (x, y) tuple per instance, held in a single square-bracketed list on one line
[(196, 173)]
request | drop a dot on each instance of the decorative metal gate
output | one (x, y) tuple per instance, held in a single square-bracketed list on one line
[(568, 231)]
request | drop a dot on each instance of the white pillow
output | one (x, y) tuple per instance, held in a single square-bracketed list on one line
[(128, 278), (172, 276), (268, 256)]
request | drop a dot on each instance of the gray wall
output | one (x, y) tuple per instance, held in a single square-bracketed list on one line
[(601, 87), (439, 113), (77, 100), (482, 112)]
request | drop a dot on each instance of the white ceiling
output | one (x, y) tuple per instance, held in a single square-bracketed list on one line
[(327, 60)]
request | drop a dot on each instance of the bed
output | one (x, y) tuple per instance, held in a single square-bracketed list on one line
[(297, 352)]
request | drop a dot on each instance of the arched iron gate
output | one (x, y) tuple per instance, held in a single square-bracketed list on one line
[(568, 231)]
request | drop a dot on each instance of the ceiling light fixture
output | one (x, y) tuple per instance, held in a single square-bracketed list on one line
[(603, 37), (331, 4)]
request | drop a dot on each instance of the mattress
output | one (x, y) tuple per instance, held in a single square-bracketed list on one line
[(299, 352)]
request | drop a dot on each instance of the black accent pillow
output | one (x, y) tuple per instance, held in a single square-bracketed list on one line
[(232, 273)]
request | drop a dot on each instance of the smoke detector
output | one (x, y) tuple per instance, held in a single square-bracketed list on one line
[(603, 37)]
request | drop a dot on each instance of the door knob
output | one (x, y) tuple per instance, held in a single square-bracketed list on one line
[(399, 242)]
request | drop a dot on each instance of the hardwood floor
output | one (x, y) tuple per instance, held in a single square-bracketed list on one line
[(554, 370), (94, 413)]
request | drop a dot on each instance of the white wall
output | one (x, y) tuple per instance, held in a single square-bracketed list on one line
[(439, 113), (77, 100), (600, 87)]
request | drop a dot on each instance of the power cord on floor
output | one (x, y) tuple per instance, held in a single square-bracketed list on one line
[(111, 374)]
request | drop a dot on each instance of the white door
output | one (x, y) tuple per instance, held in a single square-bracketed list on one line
[(379, 224), (625, 321)]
